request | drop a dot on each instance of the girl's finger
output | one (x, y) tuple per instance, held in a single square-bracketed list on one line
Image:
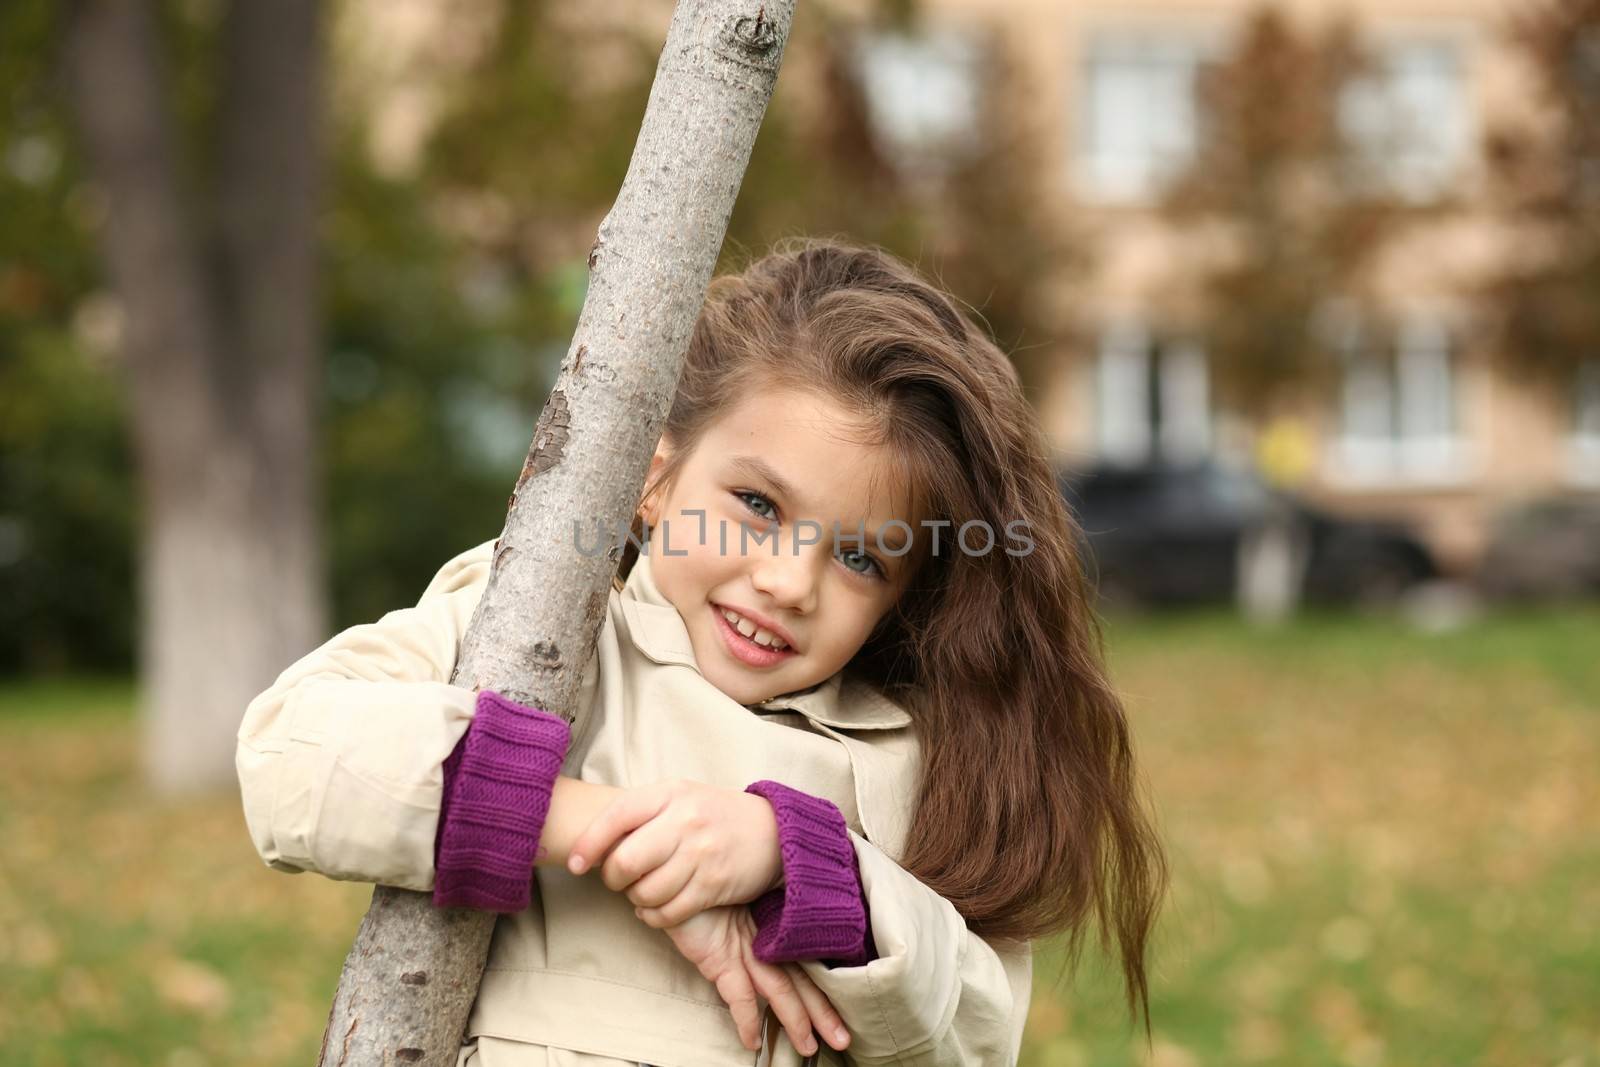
[(641, 852), (680, 909), (824, 1019), (662, 884), (733, 986), (629, 811), (774, 984), (655, 919)]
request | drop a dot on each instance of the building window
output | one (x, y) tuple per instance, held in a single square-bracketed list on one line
[(1152, 397), (1398, 408), (921, 93), (1410, 119), (1138, 113)]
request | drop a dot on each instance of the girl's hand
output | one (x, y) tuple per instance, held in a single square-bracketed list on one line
[(718, 941), (685, 846)]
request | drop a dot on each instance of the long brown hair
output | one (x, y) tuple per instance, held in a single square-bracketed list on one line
[(1028, 816)]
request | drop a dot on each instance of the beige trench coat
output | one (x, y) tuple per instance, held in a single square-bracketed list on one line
[(340, 767)]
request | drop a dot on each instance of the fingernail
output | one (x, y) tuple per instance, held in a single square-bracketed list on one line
[(810, 1048), (575, 864), (841, 1035)]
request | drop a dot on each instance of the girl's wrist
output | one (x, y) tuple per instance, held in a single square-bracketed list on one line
[(772, 849), (574, 804)]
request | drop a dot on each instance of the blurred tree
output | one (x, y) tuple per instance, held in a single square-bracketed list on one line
[(1006, 240), (522, 210), (974, 211), (414, 367), (419, 363), (1545, 178), (972, 207), (215, 283), (65, 494), (527, 155), (1281, 210)]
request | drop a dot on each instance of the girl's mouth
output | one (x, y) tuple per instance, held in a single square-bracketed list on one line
[(744, 649)]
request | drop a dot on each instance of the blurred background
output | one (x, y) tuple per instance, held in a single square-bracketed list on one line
[(1307, 295)]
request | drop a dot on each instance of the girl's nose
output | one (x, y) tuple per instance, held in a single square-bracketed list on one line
[(788, 577)]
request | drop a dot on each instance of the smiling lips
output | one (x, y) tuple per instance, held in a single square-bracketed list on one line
[(764, 636), (745, 649)]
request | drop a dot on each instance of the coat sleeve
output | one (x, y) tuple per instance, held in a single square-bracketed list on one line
[(340, 761), (937, 994)]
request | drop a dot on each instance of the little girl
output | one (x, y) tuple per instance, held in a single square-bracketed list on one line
[(846, 742)]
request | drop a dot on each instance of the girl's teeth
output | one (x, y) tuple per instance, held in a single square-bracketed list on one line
[(761, 637)]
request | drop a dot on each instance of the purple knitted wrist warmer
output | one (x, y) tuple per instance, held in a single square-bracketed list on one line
[(820, 911), (497, 785)]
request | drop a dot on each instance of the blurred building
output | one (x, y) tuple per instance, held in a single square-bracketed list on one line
[(1423, 426)]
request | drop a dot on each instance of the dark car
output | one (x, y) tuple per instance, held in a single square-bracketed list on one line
[(1544, 550), (1170, 534)]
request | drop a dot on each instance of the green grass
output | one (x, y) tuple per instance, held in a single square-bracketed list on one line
[(51, 701), (1385, 847), (138, 931)]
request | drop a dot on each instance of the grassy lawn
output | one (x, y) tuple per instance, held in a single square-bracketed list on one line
[(1385, 846)]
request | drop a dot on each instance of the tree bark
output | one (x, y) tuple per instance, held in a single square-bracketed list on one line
[(220, 343), (413, 973)]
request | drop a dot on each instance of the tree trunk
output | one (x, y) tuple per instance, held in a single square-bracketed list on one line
[(413, 973), (220, 364)]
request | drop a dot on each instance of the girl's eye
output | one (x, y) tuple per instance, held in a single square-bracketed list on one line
[(873, 570), (747, 497)]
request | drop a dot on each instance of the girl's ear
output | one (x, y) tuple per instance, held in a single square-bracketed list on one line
[(651, 503)]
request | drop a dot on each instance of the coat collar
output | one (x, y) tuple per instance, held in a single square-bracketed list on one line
[(658, 631)]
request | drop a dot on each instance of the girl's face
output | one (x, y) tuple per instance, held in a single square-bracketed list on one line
[(781, 467)]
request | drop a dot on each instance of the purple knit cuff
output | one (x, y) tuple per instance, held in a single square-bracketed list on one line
[(820, 912), (497, 785)]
